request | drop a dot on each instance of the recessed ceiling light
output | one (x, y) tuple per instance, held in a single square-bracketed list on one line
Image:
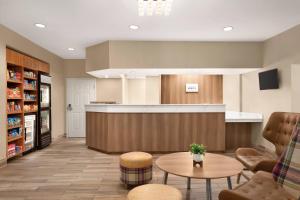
[(134, 27), (228, 28), (40, 25), (71, 49), (106, 76)]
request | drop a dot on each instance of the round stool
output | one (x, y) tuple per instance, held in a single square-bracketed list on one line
[(154, 191), (136, 168)]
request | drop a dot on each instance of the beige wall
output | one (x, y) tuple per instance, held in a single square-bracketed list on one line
[(232, 92), (97, 57), (283, 49), (282, 52), (142, 90), (136, 89), (12, 39), (147, 54), (295, 82), (109, 90), (3, 131), (140, 54), (266, 101), (153, 89), (75, 68), (124, 90)]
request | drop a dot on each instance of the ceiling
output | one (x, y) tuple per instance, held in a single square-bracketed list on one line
[(81, 23)]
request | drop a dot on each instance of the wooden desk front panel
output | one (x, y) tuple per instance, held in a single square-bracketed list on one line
[(96, 130), (238, 135), (155, 132)]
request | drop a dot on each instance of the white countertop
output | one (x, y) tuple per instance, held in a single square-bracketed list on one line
[(230, 116), (160, 108)]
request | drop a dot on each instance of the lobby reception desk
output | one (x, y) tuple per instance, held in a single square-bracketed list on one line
[(163, 128)]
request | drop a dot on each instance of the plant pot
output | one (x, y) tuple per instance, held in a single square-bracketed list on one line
[(197, 157), (197, 160)]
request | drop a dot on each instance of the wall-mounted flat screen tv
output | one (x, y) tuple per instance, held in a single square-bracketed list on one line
[(268, 80)]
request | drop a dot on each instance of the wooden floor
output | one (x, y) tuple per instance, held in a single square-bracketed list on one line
[(68, 170)]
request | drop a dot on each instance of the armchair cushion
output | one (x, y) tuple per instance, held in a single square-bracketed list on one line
[(265, 165), (287, 170), (260, 187), (254, 160)]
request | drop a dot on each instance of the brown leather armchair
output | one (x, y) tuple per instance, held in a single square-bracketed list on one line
[(281, 184), (277, 131), (261, 187)]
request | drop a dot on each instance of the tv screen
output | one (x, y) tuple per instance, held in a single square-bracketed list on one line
[(268, 80)]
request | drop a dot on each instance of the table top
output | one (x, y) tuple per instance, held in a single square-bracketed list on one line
[(214, 165)]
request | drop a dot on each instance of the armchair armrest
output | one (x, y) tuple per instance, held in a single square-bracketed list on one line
[(265, 165), (231, 195), (247, 152)]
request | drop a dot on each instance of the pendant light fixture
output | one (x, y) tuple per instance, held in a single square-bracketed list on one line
[(154, 7)]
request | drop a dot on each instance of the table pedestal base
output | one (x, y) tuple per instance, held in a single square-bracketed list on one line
[(208, 189), (208, 185), (188, 183), (166, 178)]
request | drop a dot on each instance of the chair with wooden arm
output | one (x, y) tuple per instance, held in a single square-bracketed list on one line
[(277, 131), (282, 184)]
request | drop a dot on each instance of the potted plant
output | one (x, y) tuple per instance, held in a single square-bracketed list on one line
[(198, 151)]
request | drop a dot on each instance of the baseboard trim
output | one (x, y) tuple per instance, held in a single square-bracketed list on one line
[(58, 138), (3, 163)]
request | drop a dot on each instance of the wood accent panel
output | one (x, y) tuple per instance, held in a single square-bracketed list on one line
[(17, 58), (238, 135), (96, 131), (14, 58), (30, 63), (43, 67), (154, 132), (173, 89)]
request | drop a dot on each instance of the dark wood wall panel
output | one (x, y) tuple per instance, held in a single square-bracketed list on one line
[(155, 132), (96, 131), (238, 135), (210, 89), (17, 58)]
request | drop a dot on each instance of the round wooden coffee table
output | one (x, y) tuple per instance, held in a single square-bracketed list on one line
[(214, 166)]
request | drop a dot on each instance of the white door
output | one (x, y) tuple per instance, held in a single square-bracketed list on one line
[(80, 91)]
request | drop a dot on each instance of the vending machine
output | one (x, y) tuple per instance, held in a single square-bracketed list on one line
[(44, 114)]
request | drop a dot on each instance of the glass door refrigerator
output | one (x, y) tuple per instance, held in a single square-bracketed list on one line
[(30, 133), (44, 122)]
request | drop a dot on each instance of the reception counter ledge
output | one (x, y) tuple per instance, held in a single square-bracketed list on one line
[(164, 128)]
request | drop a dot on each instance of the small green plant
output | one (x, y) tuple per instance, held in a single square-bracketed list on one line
[(197, 149)]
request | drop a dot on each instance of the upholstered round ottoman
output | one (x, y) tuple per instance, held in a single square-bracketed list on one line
[(154, 192), (136, 168)]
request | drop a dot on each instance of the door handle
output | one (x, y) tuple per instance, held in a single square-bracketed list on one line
[(69, 108)]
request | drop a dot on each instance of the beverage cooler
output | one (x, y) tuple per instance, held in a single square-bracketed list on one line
[(44, 122), (29, 133)]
